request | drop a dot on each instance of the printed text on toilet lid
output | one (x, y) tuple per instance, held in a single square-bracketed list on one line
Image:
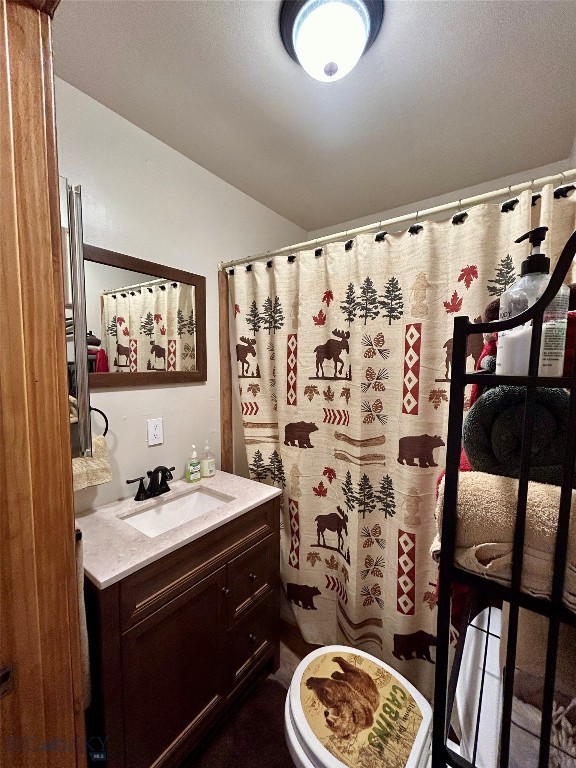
[(359, 711)]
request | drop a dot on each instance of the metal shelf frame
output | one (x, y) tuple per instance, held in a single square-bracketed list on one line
[(493, 592)]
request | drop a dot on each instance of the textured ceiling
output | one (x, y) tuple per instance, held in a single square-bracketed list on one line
[(451, 94)]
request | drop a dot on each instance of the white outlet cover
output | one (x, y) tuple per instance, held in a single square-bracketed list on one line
[(155, 432)]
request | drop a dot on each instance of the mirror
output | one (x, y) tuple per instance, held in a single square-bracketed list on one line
[(146, 322)]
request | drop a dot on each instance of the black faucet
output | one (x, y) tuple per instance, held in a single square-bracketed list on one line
[(158, 483), (159, 480)]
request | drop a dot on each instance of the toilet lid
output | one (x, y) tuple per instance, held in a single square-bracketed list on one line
[(351, 709)]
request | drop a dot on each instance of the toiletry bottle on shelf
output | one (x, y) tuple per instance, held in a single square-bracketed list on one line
[(513, 351), (193, 467), (208, 463)]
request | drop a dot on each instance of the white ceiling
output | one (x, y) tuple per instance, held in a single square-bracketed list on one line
[(452, 93)]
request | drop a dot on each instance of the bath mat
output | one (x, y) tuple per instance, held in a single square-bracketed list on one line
[(252, 736)]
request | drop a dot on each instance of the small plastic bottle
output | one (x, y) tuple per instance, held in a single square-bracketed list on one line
[(208, 463), (193, 467), (513, 353)]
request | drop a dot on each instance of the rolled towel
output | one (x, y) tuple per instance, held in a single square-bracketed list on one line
[(485, 520), (492, 433)]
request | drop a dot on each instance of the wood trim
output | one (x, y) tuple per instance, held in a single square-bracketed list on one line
[(38, 595), (62, 381), (147, 378), (226, 434)]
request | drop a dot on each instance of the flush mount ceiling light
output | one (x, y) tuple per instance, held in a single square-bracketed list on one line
[(328, 37)]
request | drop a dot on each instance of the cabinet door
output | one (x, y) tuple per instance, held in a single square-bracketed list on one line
[(172, 669)]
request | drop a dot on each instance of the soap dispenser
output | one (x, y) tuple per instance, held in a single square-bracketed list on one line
[(513, 351), (193, 467), (208, 463)]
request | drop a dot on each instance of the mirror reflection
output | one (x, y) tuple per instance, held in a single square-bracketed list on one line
[(138, 322)]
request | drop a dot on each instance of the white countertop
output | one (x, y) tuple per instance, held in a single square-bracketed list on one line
[(114, 549)]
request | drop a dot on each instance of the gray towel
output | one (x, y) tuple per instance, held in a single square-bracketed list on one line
[(492, 433)]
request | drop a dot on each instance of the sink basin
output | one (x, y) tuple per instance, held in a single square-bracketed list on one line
[(171, 513)]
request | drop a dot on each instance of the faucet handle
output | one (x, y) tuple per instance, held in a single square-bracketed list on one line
[(165, 475), (141, 494)]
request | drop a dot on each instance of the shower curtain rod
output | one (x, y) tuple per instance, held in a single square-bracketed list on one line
[(468, 202), (159, 281)]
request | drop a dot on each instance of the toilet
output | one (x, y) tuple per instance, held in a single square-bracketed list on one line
[(347, 708)]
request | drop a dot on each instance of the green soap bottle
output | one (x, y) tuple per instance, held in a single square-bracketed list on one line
[(193, 467)]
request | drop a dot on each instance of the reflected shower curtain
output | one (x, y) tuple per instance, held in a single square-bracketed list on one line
[(344, 359), (151, 328)]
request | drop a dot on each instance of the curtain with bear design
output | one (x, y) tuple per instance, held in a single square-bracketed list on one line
[(151, 328), (343, 356)]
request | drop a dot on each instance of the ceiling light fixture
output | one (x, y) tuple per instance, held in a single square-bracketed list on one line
[(328, 37)]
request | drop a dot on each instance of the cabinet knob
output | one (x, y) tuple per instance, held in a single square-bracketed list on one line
[(225, 591), (253, 577), (252, 638)]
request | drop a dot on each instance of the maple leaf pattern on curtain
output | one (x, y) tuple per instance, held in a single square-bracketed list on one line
[(352, 351)]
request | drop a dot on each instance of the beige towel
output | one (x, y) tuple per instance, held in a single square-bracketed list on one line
[(95, 470), (73, 409), (84, 657), (531, 650), (485, 529)]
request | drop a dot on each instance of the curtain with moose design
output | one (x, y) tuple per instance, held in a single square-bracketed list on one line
[(344, 357), (151, 328)]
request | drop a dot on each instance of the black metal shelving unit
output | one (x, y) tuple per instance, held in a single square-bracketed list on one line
[(485, 590)]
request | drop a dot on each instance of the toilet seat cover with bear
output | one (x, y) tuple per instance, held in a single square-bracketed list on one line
[(350, 709)]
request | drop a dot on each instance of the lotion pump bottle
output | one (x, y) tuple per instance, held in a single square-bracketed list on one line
[(193, 467), (513, 352), (208, 463)]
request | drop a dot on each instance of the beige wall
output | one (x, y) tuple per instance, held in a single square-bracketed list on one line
[(457, 194), (142, 198)]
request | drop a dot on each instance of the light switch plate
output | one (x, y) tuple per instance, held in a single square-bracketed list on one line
[(155, 432)]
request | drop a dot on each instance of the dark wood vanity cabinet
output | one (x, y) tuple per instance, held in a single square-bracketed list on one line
[(175, 643)]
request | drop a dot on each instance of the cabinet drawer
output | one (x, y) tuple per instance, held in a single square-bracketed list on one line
[(146, 590), (250, 576), (252, 638)]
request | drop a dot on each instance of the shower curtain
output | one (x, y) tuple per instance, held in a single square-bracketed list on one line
[(343, 356), (151, 328)]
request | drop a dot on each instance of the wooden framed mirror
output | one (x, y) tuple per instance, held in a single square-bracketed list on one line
[(149, 320)]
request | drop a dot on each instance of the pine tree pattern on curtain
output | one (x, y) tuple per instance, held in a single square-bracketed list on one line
[(344, 362), (150, 329)]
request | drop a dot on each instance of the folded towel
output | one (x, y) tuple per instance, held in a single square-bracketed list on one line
[(95, 470), (492, 433), (73, 409), (485, 518)]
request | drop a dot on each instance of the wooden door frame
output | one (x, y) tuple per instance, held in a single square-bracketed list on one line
[(38, 591), (226, 421)]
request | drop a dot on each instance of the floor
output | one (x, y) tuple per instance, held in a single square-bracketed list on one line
[(256, 724), (292, 650)]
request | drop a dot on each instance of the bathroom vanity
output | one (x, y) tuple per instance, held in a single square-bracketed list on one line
[(180, 622)]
